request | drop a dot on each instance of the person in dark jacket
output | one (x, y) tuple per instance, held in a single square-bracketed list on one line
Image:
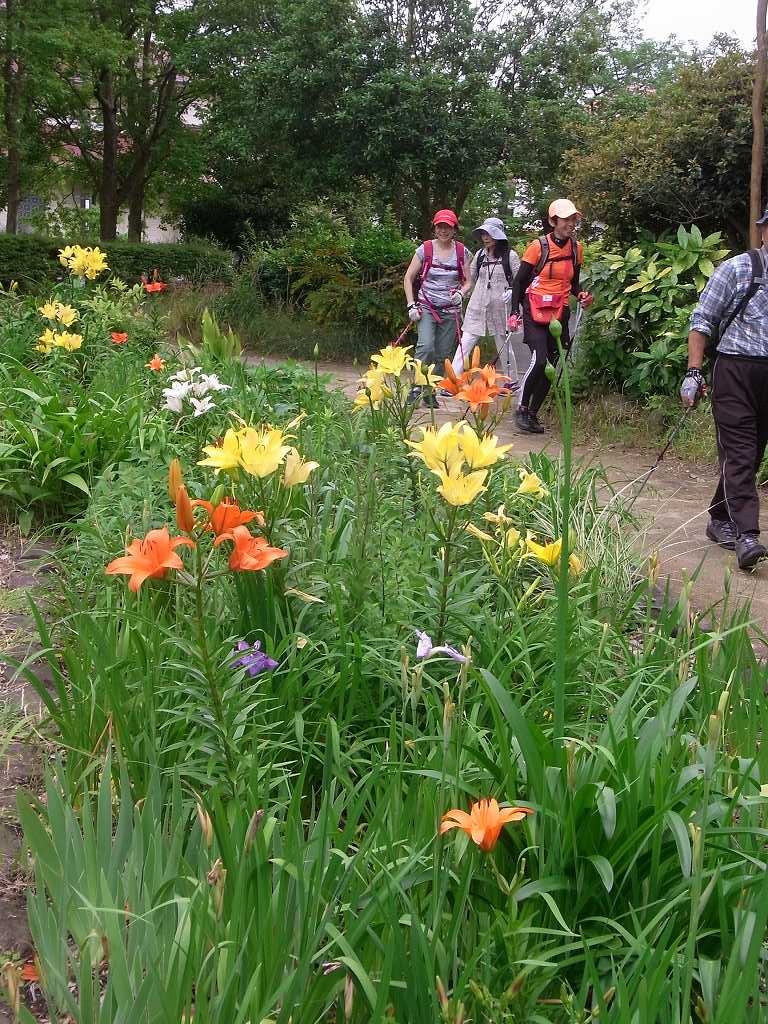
[(548, 276), (733, 308)]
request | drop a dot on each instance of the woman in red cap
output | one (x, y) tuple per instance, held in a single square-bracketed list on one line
[(434, 303), (548, 276)]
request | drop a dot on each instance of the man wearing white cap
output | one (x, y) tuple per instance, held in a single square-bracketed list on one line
[(491, 273), (548, 276)]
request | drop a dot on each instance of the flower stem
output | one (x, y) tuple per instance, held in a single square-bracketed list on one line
[(210, 676), (447, 542)]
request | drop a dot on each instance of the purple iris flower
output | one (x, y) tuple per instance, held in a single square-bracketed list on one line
[(425, 649), (252, 658)]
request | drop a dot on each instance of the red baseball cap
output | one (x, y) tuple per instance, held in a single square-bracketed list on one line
[(446, 217)]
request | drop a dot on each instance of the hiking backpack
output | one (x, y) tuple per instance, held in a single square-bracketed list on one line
[(756, 282), (504, 262), (426, 266), (544, 258)]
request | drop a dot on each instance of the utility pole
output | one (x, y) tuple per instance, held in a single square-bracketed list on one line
[(758, 127)]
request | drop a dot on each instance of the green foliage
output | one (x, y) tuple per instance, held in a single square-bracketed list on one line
[(686, 156), (637, 330), (330, 274), (32, 260)]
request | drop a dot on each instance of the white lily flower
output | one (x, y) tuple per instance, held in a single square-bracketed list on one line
[(202, 405)]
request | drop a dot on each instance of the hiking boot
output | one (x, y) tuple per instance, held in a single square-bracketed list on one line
[(749, 551), (414, 395), (722, 532), (430, 400), (527, 422), (445, 394)]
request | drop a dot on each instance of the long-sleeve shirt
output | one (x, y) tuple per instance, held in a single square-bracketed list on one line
[(747, 334), (525, 275)]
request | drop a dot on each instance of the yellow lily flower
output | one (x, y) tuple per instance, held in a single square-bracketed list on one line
[(67, 341), (511, 538), (45, 341), (481, 535), (225, 456), (481, 452), (392, 359), (575, 564), (66, 314), (530, 483), (66, 254), (459, 488), (549, 554), (439, 448), (498, 518), (262, 450), (48, 310), (373, 381), (296, 470), (423, 375)]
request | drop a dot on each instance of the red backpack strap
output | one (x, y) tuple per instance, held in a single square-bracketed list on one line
[(429, 251), (461, 255)]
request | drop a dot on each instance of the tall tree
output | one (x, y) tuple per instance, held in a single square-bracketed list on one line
[(758, 126)]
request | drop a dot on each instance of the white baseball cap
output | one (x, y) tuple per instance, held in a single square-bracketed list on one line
[(562, 208)]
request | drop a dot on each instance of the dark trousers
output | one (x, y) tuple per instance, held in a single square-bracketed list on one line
[(543, 349), (740, 411)]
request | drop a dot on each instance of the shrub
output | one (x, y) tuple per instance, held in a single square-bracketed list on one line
[(31, 259), (635, 336)]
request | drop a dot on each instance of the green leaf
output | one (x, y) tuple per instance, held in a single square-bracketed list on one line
[(77, 481), (606, 805), (676, 826), (603, 867), (682, 237)]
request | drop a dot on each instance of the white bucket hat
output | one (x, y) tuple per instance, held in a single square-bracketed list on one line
[(494, 227)]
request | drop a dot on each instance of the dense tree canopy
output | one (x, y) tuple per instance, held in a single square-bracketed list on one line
[(369, 106), (685, 158)]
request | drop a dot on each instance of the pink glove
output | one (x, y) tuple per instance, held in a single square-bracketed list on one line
[(514, 322)]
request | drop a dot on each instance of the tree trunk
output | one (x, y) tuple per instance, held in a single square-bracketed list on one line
[(136, 214), (758, 127), (109, 200), (12, 83)]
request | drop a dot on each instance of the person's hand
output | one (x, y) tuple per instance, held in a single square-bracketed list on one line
[(693, 388), (456, 298), (514, 322), (585, 299), (414, 313), (507, 296)]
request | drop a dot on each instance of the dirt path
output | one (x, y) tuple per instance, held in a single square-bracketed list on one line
[(670, 510)]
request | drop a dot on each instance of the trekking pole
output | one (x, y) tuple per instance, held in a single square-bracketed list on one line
[(402, 334), (660, 457)]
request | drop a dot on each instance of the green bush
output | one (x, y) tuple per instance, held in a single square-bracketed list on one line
[(31, 259), (636, 333)]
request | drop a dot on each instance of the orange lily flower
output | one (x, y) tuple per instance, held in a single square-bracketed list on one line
[(119, 337), (249, 553), (185, 517), (175, 478), (451, 382), (490, 375), (478, 393), (484, 821), (155, 363), (29, 972), (227, 515), (149, 558)]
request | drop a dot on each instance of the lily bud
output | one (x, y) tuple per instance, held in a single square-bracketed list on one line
[(253, 827), (12, 979), (175, 478), (218, 495), (185, 516), (549, 373), (316, 352), (349, 987), (205, 825), (216, 877), (441, 993)]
